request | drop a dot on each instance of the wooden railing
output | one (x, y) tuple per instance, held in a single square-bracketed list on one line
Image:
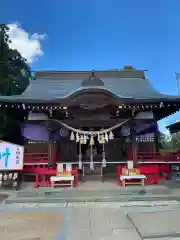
[(35, 158), (155, 157)]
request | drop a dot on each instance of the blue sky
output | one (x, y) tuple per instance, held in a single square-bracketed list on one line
[(105, 35)]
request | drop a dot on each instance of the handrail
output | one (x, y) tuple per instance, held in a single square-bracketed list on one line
[(142, 157), (155, 156)]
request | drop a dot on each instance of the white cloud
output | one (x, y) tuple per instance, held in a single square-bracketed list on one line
[(28, 45)]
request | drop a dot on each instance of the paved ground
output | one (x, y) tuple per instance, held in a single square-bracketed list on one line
[(30, 225), (90, 221), (115, 216), (95, 191), (157, 224)]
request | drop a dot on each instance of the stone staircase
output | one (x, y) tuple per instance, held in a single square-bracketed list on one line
[(92, 175)]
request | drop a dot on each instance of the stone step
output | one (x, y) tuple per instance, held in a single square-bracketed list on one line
[(90, 177), (93, 199)]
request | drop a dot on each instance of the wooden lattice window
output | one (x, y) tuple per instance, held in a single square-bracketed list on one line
[(145, 138)]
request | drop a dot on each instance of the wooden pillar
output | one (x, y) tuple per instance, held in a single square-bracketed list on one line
[(134, 143), (50, 149)]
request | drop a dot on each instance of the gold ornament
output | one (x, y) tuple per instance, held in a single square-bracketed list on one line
[(81, 139)]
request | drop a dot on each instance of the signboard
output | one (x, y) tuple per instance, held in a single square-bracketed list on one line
[(11, 156)]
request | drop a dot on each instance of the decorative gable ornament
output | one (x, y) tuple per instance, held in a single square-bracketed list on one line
[(63, 132), (125, 131), (92, 81)]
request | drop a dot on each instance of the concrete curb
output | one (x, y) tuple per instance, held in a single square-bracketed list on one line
[(101, 204), (11, 199)]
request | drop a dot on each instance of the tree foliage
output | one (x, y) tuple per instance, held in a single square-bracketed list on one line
[(15, 73), (171, 143)]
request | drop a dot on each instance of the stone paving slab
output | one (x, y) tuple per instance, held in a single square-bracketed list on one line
[(33, 224), (41, 223), (86, 222), (120, 234), (163, 238), (173, 238), (99, 223), (157, 224)]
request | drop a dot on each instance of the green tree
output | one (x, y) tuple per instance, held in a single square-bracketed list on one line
[(171, 143), (15, 73)]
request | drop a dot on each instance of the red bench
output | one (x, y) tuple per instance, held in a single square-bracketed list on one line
[(151, 172), (164, 171), (43, 176)]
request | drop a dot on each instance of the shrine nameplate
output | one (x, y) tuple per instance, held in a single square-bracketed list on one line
[(91, 101), (11, 156)]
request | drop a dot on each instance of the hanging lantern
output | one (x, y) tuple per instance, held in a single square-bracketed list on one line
[(106, 137), (111, 135), (81, 139), (72, 137), (91, 141), (77, 137)]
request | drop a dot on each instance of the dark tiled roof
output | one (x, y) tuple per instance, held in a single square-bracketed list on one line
[(52, 86), (174, 127)]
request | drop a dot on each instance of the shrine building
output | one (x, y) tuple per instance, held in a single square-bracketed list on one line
[(95, 119)]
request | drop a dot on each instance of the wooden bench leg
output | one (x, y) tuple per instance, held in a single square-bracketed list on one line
[(71, 184), (52, 184), (124, 183)]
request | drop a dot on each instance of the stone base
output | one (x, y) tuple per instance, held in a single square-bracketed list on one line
[(159, 225)]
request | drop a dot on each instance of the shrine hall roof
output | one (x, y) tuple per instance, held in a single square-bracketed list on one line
[(51, 86), (174, 127)]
